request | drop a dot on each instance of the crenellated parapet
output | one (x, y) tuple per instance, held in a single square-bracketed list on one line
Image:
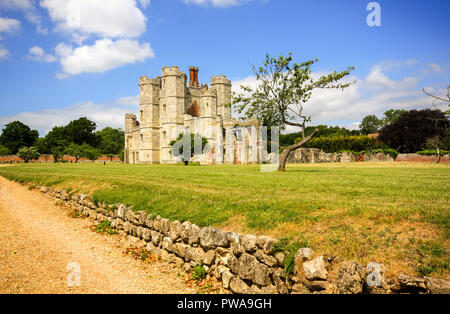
[(172, 71), (223, 87), (220, 79)]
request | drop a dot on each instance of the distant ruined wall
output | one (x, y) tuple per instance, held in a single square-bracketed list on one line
[(315, 155), (47, 158), (421, 158), (245, 263)]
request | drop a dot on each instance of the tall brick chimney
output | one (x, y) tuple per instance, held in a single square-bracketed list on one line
[(193, 76)]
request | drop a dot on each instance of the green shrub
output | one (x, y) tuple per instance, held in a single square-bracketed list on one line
[(4, 151), (28, 154), (431, 152), (387, 151), (344, 143), (199, 272)]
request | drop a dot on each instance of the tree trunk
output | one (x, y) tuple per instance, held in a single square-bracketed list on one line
[(439, 156), (285, 154)]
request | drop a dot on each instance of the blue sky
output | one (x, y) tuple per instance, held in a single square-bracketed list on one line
[(62, 59)]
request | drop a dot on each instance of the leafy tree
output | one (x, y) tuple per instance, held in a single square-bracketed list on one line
[(57, 153), (434, 142), (370, 124), (16, 135), (283, 88), (28, 153), (183, 139), (82, 131), (409, 133), (80, 151), (56, 141), (4, 151), (392, 115), (112, 141), (90, 152), (42, 146), (76, 151)]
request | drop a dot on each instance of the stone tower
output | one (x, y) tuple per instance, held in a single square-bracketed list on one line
[(222, 86), (149, 90), (172, 108)]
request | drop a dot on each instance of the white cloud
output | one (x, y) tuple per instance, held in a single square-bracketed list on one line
[(4, 53), (104, 55), (38, 54), (118, 24), (144, 3), (81, 18), (8, 25), (217, 3), (109, 114), (29, 9), (433, 68)]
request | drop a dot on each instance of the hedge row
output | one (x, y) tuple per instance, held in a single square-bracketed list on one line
[(433, 152), (344, 143)]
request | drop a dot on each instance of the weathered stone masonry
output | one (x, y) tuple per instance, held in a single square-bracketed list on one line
[(246, 263), (169, 106)]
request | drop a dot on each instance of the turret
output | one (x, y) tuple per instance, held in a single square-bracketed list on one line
[(149, 90), (208, 102), (172, 108), (223, 87)]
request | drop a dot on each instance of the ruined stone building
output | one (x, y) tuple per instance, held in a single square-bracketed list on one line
[(169, 106)]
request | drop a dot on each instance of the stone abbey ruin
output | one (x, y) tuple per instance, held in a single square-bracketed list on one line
[(170, 106)]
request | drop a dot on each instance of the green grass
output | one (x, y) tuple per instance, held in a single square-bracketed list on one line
[(359, 211)]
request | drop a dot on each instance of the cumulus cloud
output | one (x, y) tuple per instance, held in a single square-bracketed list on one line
[(38, 54), (4, 53), (433, 68), (82, 18), (117, 26), (144, 3), (109, 114), (217, 3), (104, 55), (28, 8), (373, 94), (8, 25)]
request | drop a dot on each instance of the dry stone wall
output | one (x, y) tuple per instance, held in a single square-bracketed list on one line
[(245, 263)]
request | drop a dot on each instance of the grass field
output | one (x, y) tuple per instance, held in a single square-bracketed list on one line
[(394, 213)]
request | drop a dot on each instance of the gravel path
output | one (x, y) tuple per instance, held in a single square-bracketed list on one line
[(38, 240)]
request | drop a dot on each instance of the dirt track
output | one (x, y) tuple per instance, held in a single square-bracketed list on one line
[(38, 240)]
